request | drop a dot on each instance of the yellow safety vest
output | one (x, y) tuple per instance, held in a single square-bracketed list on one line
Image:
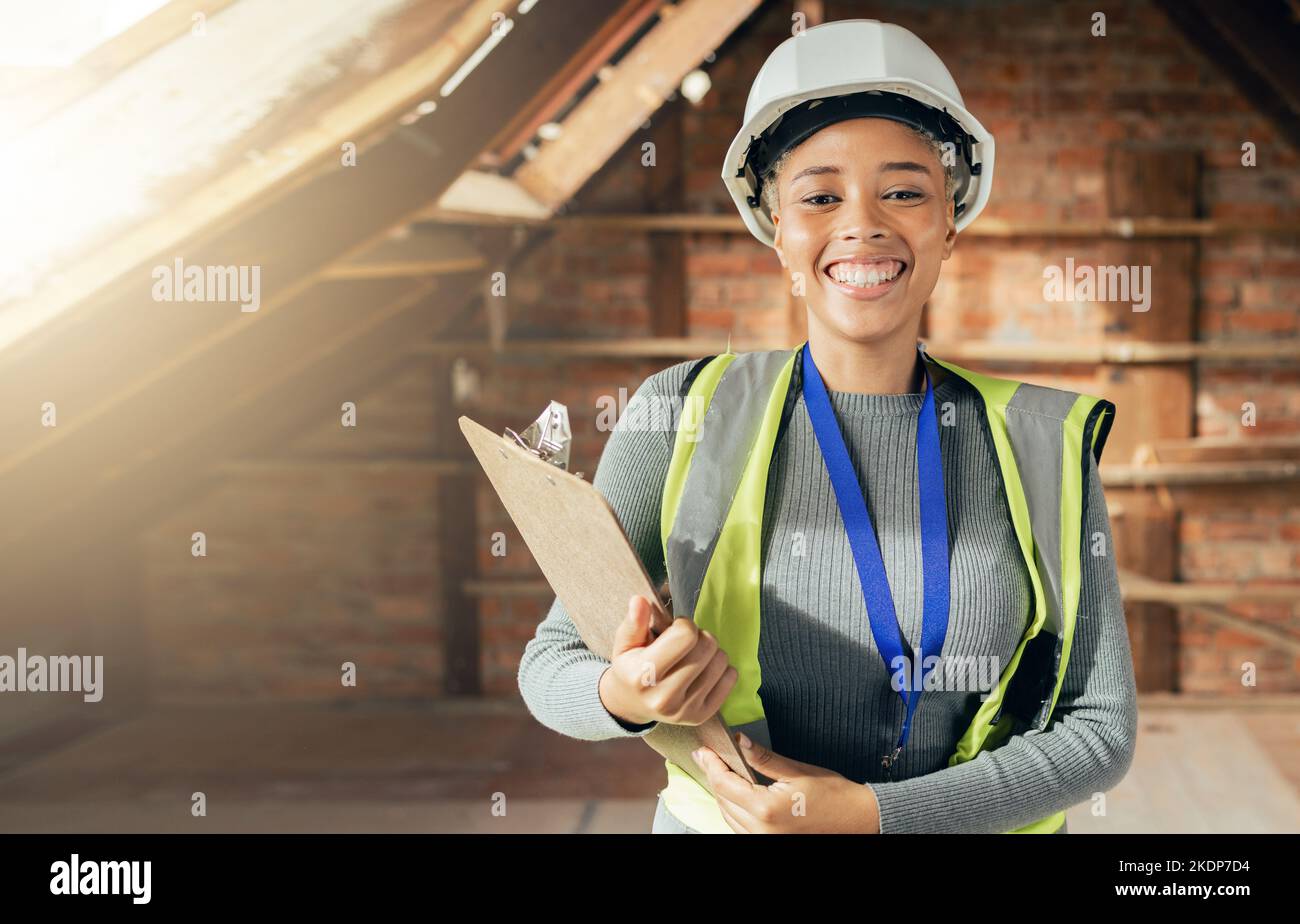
[(712, 527)]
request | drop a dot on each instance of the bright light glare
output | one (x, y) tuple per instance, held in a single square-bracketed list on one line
[(55, 33)]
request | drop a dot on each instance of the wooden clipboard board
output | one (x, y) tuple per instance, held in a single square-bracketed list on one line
[(580, 546)]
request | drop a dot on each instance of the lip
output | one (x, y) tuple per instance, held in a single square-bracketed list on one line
[(880, 290)]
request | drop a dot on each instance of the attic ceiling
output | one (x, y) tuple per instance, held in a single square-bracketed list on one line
[(226, 145)]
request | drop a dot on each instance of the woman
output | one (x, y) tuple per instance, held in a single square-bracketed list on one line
[(882, 525)]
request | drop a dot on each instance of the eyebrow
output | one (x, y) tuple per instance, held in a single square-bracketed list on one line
[(909, 166)]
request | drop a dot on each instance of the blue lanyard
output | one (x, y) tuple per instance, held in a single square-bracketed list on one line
[(866, 551)]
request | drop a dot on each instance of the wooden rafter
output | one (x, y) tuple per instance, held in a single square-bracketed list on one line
[(608, 116), (38, 100), (619, 27), (237, 193), (183, 388)]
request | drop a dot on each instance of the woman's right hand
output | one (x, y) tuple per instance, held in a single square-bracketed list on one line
[(681, 677)]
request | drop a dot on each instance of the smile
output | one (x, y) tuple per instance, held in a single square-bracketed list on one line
[(865, 278)]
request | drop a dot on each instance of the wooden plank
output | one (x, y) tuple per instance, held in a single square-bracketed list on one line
[(1193, 702), (1151, 401), (476, 191), (1254, 46), (1228, 449), (1121, 228), (117, 264), (1134, 586), (416, 254), (609, 115), (379, 465), (43, 98), (665, 190), (458, 544), (1198, 773), (556, 93), (1197, 473), (183, 388), (1016, 354)]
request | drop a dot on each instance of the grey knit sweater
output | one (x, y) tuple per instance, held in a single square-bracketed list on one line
[(825, 689)]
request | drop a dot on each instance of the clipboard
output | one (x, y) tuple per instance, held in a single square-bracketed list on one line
[(578, 542)]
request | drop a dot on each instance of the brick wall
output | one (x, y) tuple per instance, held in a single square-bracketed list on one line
[(315, 556)]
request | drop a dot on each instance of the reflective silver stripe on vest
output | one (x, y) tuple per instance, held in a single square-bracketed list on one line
[(1035, 428), (722, 450)]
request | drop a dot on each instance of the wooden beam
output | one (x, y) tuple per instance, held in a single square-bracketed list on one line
[(479, 193), (118, 263), (665, 190), (1286, 702), (1193, 593), (619, 28), (457, 546), (1254, 45), (142, 421), (235, 468), (1186, 474), (36, 101), (418, 253), (1019, 354), (1152, 400), (609, 115), (986, 227)]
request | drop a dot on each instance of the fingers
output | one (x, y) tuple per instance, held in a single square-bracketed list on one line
[(722, 781), (675, 643), (634, 630), (712, 686), (772, 765)]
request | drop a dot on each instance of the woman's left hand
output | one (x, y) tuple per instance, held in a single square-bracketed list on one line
[(803, 799)]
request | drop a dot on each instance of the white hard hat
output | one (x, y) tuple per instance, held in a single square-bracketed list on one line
[(853, 68)]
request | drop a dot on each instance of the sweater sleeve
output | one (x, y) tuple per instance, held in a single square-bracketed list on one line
[(1087, 747), (558, 674)]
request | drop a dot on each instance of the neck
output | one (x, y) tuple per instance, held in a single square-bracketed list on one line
[(886, 367)]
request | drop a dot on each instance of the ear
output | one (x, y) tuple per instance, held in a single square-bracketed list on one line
[(950, 237), (776, 239)]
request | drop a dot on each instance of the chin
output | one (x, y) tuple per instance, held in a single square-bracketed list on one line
[(862, 323)]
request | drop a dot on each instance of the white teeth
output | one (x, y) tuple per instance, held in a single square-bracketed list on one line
[(861, 278)]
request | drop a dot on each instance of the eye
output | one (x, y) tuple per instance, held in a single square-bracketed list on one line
[(818, 199), (905, 192)]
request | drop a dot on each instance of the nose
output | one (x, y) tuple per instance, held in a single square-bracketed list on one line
[(861, 218)]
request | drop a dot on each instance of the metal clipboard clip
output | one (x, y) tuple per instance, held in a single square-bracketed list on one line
[(548, 437)]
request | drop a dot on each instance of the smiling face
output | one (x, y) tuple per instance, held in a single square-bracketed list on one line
[(862, 214)]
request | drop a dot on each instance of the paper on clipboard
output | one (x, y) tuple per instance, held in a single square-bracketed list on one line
[(577, 541)]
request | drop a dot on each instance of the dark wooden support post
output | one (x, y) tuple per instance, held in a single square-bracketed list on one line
[(458, 546), (665, 193), (1153, 401)]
